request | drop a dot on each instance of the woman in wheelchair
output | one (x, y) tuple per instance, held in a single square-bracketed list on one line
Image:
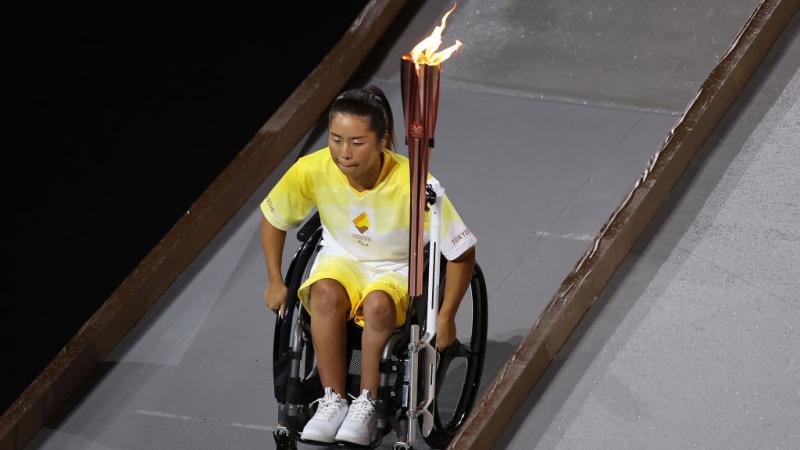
[(360, 188)]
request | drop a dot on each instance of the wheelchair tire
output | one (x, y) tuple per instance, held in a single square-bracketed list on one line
[(282, 340), (468, 355)]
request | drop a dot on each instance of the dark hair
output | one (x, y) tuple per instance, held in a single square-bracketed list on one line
[(371, 102)]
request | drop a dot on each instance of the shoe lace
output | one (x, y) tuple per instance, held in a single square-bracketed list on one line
[(361, 407), (328, 406)]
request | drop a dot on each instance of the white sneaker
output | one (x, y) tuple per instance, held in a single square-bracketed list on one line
[(331, 411), (360, 426)]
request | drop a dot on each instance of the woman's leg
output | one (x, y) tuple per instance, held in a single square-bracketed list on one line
[(330, 309), (379, 314)]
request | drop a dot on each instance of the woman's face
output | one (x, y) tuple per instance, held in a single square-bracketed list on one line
[(355, 149)]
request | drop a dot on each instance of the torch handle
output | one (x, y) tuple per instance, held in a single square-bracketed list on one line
[(419, 171)]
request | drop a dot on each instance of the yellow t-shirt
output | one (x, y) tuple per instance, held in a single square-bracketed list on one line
[(370, 226)]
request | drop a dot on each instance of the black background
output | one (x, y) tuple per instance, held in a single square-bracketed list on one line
[(117, 121)]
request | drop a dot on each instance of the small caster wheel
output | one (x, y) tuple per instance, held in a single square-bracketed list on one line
[(283, 441)]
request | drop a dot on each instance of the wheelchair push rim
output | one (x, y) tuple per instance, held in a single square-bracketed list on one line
[(460, 366)]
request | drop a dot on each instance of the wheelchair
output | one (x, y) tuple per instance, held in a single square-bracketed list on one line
[(457, 368)]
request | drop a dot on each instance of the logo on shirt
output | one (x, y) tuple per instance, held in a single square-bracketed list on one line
[(362, 231), (362, 222)]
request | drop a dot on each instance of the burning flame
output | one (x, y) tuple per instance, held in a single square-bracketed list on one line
[(425, 52)]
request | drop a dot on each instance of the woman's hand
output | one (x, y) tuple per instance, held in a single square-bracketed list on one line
[(445, 332), (459, 274), (275, 295), (272, 240)]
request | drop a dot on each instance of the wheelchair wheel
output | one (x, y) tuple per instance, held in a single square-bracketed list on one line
[(296, 382), (460, 365)]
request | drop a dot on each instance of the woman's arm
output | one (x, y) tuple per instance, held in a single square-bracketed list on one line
[(272, 240), (459, 274)]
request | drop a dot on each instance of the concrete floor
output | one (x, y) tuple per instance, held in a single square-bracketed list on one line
[(534, 164)]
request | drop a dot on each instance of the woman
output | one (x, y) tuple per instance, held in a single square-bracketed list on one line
[(360, 187)]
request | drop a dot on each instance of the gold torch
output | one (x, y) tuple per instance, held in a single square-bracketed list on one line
[(419, 74)]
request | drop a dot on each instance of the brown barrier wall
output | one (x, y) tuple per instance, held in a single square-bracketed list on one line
[(187, 238), (584, 283)]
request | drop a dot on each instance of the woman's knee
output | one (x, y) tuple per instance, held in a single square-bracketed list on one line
[(329, 297), (379, 309)]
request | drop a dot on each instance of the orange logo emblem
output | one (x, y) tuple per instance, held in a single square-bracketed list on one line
[(361, 222)]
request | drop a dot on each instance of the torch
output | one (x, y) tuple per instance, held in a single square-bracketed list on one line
[(419, 75)]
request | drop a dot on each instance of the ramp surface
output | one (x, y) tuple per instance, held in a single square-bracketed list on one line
[(533, 177)]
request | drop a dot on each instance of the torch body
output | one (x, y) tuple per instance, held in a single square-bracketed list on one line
[(420, 91)]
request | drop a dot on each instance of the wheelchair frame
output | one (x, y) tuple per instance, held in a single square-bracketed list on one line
[(410, 351)]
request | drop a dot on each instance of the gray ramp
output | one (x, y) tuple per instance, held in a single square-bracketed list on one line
[(694, 342), (621, 53), (533, 177)]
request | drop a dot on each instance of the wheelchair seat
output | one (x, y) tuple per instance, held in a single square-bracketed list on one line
[(296, 380)]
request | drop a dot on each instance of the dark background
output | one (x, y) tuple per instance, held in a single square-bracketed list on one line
[(117, 121)]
